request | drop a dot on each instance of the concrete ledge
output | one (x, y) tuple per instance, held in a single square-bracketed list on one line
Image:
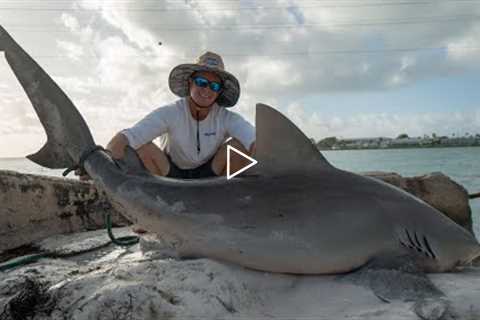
[(35, 207)]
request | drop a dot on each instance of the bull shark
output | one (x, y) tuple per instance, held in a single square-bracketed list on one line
[(297, 214)]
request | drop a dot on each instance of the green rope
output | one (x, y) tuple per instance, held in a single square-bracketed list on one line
[(122, 241)]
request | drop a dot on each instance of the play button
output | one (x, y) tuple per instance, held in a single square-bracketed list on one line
[(252, 161)]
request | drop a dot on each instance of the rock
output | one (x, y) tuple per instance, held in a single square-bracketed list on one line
[(436, 189), (35, 207)]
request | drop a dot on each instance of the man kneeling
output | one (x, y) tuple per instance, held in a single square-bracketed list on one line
[(193, 129)]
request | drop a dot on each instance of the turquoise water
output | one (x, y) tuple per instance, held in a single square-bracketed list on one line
[(460, 164)]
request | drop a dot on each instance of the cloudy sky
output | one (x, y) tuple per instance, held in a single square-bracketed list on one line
[(345, 68)]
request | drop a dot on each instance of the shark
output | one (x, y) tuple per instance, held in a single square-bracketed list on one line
[(296, 213)]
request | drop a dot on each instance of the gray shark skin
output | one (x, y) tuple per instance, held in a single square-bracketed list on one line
[(298, 214)]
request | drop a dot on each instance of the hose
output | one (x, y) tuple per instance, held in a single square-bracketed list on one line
[(32, 258), (122, 241)]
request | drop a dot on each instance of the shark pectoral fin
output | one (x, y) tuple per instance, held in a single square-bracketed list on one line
[(389, 284), (131, 163), (283, 147), (399, 278), (395, 276), (51, 156)]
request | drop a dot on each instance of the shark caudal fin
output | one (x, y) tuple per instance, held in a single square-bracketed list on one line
[(52, 156), (283, 147), (2, 34), (4, 38), (68, 134)]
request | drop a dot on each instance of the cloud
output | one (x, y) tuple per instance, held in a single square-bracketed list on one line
[(329, 53), (72, 50), (116, 69), (465, 50)]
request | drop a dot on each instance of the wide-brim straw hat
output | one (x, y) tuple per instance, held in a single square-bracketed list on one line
[(212, 62)]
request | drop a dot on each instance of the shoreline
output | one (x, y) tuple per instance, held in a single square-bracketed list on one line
[(400, 148)]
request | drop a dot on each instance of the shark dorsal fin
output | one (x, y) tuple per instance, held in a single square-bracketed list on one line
[(281, 147)]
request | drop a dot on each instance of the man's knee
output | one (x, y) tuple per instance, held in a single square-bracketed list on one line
[(153, 159), (146, 152)]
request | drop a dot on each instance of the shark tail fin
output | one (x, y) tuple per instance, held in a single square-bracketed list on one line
[(67, 132), (3, 38), (51, 156)]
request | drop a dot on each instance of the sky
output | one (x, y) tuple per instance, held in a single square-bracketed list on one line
[(344, 68)]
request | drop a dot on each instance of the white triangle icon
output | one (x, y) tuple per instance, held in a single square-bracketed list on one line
[(252, 162)]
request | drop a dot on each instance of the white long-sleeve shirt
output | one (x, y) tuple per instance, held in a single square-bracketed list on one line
[(178, 131)]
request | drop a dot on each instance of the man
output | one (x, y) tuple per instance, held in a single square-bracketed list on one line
[(194, 129)]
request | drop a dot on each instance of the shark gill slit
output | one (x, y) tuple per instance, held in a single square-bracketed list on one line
[(415, 244), (416, 240), (429, 248), (411, 245)]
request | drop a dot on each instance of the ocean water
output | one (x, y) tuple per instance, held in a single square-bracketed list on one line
[(460, 164)]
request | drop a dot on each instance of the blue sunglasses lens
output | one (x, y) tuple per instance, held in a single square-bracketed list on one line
[(203, 83), (215, 86)]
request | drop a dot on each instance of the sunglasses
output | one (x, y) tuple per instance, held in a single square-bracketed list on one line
[(203, 83)]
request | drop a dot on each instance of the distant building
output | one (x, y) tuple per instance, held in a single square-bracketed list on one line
[(461, 141), (363, 143), (406, 142), (403, 141)]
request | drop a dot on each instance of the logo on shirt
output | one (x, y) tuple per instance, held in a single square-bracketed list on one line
[(208, 134)]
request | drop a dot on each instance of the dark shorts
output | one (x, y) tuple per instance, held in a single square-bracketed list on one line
[(203, 171)]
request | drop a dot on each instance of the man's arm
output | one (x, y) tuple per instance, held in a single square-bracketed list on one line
[(144, 131), (242, 130)]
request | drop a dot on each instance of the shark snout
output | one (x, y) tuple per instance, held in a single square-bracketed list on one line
[(474, 255), (466, 256)]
